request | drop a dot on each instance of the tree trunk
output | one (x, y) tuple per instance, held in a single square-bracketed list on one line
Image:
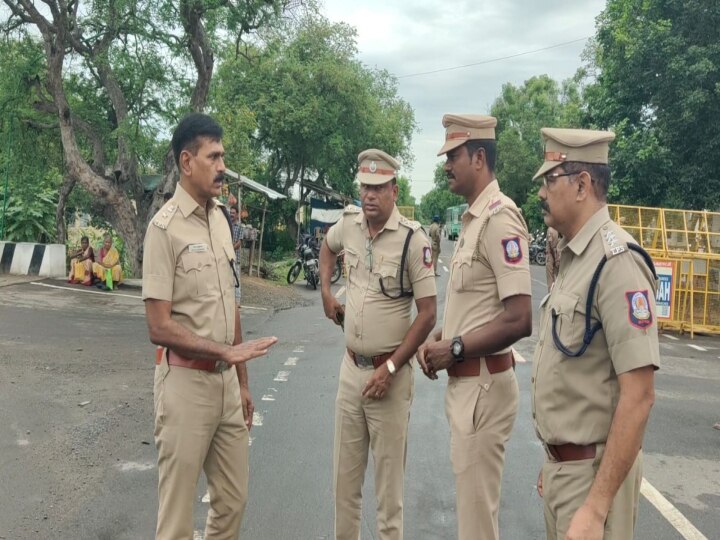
[(60, 226)]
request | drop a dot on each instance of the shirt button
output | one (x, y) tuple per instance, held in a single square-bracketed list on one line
[(533, 415), (486, 386), (532, 379)]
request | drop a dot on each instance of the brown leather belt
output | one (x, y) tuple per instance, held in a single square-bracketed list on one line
[(364, 361), (175, 359), (571, 452), (470, 367)]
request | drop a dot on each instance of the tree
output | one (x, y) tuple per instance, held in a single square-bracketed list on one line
[(315, 106), (115, 74), (405, 198), (657, 70)]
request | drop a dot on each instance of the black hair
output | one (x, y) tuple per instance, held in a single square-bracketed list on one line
[(599, 172), (85, 238), (190, 129), (488, 145)]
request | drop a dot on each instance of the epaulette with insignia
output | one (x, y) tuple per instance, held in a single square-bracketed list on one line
[(612, 244), (352, 209), (495, 206), (165, 214), (414, 225)]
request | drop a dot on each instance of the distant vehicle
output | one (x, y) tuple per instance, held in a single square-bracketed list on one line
[(453, 221)]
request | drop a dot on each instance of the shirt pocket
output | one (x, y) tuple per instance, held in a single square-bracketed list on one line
[(351, 263), (567, 319), (469, 273), (389, 273), (198, 272)]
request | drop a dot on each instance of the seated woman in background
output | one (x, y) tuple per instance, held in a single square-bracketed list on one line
[(81, 265), (109, 259)]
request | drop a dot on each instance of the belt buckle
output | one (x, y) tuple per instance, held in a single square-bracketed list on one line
[(364, 361), (221, 366)]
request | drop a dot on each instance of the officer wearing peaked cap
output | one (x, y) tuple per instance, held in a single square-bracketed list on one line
[(487, 309), (389, 263), (593, 368)]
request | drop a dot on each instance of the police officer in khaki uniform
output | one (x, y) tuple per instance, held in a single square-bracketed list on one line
[(552, 257), (592, 382), (487, 309), (203, 409), (389, 263), (435, 238)]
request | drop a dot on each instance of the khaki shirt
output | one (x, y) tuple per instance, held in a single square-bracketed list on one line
[(435, 236), (374, 323), (552, 257), (186, 261), (574, 399), (490, 263)]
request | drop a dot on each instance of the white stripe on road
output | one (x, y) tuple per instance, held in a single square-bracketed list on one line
[(257, 419), (206, 497), (340, 292), (292, 361), (299, 349), (697, 347), (543, 283), (686, 529), (268, 397), (671, 337), (198, 535), (445, 268), (282, 376), (84, 291)]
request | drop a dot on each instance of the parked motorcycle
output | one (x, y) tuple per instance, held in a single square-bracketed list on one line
[(537, 248), (308, 262)]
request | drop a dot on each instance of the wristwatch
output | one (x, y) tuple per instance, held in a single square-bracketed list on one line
[(391, 367), (457, 349)]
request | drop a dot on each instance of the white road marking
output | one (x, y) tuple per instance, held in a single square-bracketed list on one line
[(686, 529), (127, 466), (292, 361), (446, 269), (198, 535), (257, 419), (697, 347), (299, 349), (671, 337), (22, 442), (254, 307), (282, 376), (250, 440), (440, 260), (544, 284), (206, 497), (519, 358), (268, 397), (137, 296), (340, 292)]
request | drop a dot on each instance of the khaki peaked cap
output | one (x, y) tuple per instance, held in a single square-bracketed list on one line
[(375, 167), (583, 145), (461, 128)]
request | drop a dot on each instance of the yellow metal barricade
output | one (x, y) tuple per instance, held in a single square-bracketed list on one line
[(685, 245), (407, 211)]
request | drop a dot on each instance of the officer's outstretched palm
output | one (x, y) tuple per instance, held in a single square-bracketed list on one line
[(242, 352)]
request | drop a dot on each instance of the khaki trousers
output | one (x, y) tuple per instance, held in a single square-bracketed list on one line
[(435, 255), (481, 411), (566, 485), (381, 425), (199, 425)]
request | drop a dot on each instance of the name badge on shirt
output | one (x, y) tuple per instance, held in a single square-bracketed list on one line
[(197, 248)]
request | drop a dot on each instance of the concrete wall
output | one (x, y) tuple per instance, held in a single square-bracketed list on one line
[(28, 259)]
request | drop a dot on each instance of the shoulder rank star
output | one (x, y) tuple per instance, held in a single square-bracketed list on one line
[(512, 250)]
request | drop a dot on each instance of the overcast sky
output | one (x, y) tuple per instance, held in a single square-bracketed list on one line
[(424, 35)]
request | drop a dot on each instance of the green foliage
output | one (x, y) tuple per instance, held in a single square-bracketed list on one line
[(30, 218), (658, 87), (436, 201), (405, 198)]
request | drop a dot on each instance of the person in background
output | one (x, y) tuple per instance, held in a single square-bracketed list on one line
[(109, 260), (237, 246), (82, 263), (552, 256), (435, 239)]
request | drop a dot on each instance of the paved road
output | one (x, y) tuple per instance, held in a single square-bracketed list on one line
[(88, 472)]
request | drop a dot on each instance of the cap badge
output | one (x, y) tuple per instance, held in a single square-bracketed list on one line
[(373, 167)]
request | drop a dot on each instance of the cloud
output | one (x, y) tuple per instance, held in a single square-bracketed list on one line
[(426, 35)]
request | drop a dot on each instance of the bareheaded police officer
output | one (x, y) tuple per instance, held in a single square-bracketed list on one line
[(487, 309), (203, 408), (389, 264), (593, 369)]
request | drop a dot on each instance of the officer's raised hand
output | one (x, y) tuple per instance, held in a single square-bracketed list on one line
[(247, 350)]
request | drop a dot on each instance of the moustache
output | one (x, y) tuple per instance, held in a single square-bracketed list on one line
[(544, 205), (219, 178)]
